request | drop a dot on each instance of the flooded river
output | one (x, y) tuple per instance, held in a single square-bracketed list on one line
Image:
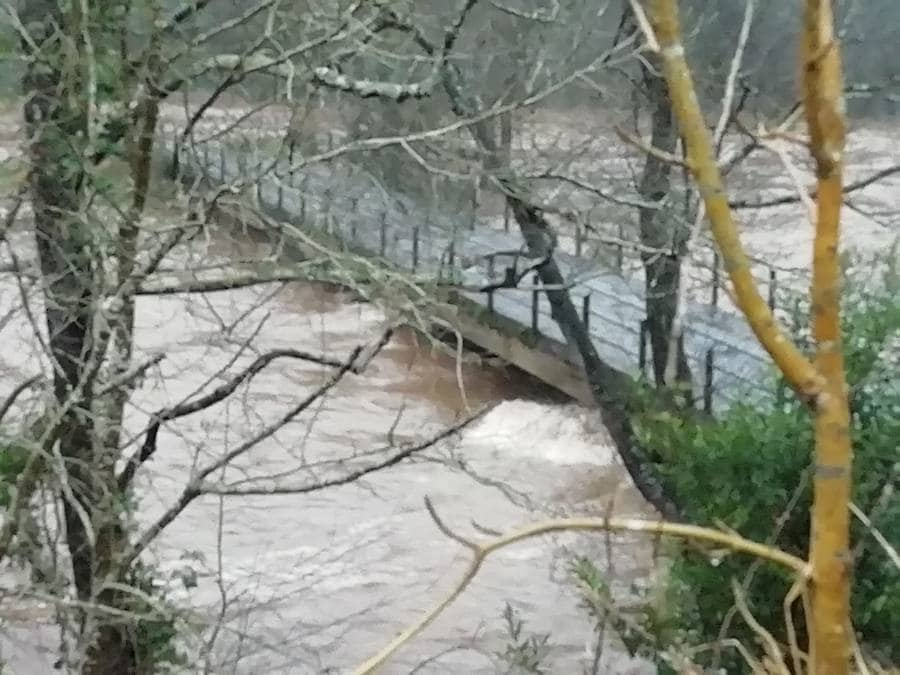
[(318, 582), (315, 583)]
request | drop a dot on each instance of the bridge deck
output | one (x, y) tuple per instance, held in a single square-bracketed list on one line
[(343, 203)]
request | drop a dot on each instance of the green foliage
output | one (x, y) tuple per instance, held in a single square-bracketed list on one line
[(13, 456), (156, 627), (524, 653), (750, 470), (646, 628)]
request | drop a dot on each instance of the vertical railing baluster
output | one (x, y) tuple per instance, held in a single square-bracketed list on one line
[(642, 347), (490, 280), (772, 288), (586, 312), (382, 247), (709, 369), (577, 239), (451, 259), (415, 248), (292, 173), (620, 252), (476, 185), (304, 193), (715, 280), (535, 302)]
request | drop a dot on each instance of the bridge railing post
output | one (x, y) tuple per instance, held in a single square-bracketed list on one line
[(174, 164), (260, 194), (303, 196), (620, 252), (773, 288), (222, 163), (586, 311), (535, 302), (451, 259), (415, 248), (382, 245), (505, 216), (708, 374), (476, 189), (257, 181), (714, 300), (291, 172), (242, 158), (326, 210), (642, 347), (490, 280), (350, 219), (578, 236)]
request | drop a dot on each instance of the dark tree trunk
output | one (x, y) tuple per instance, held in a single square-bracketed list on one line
[(664, 236), (56, 124), (63, 244), (611, 388)]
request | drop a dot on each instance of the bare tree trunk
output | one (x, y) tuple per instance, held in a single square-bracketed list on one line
[(821, 381), (56, 122), (63, 244), (663, 238), (611, 388)]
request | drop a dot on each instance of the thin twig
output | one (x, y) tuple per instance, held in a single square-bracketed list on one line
[(891, 552), (481, 550), (352, 476), (10, 400), (765, 637), (645, 147), (793, 199)]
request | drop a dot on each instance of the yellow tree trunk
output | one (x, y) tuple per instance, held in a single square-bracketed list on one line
[(821, 383), (830, 553)]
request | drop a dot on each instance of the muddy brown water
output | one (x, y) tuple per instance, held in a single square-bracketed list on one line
[(315, 583)]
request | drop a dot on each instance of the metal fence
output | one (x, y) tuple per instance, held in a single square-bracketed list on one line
[(729, 363)]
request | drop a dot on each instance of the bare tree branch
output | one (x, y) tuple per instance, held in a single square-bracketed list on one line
[(10, 400), (481, 550), (358, 359), (187, 11), (794, 198), (352, 476), (219, 394)]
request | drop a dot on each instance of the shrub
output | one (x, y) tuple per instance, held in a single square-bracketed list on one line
[(750, 471)]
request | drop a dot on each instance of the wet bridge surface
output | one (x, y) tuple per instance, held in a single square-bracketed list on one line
[(346, 206)]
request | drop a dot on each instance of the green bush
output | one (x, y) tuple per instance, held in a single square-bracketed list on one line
[(155, 630), (750, 471), (13, 457)]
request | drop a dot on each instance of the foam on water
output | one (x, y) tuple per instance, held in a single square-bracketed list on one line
[(559, 434)]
